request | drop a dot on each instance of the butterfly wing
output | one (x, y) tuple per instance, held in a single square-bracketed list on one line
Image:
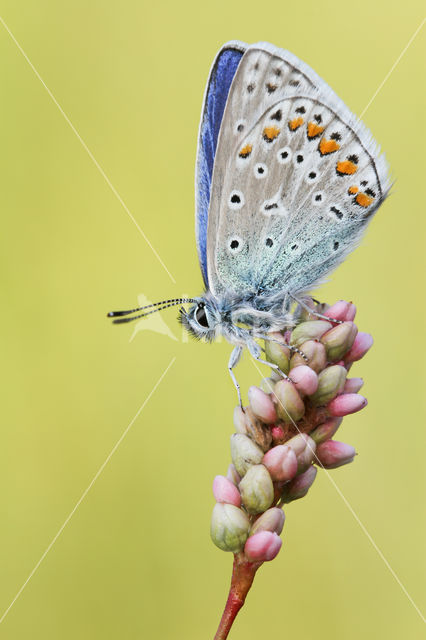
[(296, 179), (215, 97)]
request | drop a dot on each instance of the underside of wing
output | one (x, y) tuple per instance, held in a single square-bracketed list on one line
[(296, 179), (215, 97)]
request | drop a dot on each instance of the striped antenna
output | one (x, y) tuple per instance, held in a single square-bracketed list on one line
[(159, 306)]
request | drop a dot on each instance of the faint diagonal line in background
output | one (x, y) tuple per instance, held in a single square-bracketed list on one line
[(86, 491), (392, 68), (90, 154), (349, 506)]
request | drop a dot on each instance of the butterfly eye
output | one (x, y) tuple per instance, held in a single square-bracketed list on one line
[(201, 317)]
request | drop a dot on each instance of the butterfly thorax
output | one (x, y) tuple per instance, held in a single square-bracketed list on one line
[(238, 319)]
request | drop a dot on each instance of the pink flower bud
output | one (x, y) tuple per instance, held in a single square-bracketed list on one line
[(281, 463), (326, 430), (341, 310), (277, 433), (233, 475), (272, 520), (299, 486), (347, 403), (361, 345), (334, 454), (263, 546), (353, 385), (225, 491), (304, 379), (262, 405)]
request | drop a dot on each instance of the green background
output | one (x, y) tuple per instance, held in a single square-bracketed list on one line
[(136, 560)]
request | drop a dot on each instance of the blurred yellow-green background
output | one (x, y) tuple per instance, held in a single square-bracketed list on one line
[(135, 560)]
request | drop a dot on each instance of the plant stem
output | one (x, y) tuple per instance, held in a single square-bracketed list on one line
[(243, 573)]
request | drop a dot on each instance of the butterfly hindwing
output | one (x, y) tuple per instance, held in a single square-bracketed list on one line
[(216, 94), (296, 179)]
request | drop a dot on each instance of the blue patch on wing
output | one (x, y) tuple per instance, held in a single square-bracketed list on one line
[(214, 105)]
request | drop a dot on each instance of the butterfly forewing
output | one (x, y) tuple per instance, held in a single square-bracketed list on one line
[(296, 179)]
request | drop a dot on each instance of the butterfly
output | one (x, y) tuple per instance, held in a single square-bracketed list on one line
[(287, 180)]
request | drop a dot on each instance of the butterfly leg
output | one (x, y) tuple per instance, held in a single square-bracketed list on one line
[(313, 312), (255, 351), (233, 361), (292, 348)]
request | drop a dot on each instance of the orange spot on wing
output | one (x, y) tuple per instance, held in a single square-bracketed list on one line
[(270, 133), (314, 130), (364, 200), (353, 190), (295, 124), (346, 168), (328, 146), (246, 151)]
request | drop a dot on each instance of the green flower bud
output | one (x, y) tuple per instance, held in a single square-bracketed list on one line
[(290, 405), (244, 452), (330, 382), (339, 340), (229, 527), (279, 354), (312, 330), (257, 489), (240, 423), (267, 385), (315, 352)]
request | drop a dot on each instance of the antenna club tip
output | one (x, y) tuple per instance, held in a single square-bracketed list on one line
[(110, 314)]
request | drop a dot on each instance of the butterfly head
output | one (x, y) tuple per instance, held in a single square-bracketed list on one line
[(202, 320)]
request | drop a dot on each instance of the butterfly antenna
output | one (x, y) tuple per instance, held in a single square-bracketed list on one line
[(159, 306)]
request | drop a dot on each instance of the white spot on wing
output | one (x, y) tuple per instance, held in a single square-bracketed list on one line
[(236, 200), (260, 170), (274, 206), (318, 198), (284, 155), (235, 244)]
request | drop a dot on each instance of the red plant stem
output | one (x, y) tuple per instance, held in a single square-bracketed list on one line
[(243, 573)]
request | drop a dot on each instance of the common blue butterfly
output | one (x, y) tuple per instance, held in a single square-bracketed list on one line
[(287, 180)]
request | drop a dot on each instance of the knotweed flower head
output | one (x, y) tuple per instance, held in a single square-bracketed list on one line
[(283, 436)]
